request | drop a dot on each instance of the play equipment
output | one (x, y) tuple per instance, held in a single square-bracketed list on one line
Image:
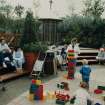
[(98, 91), (61, 97), (71, 64), (63, 85), (36, 90), (101, 87)]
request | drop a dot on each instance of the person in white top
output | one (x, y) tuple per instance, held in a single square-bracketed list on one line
[(4, 46), (82, 96), (18, 58), (74, 46), (101, 56)]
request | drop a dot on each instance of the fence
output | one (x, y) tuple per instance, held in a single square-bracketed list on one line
[(12, 39)]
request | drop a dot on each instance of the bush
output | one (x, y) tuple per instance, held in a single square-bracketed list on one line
[(35, 47)]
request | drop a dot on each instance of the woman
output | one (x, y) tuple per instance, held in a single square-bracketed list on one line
[(18, 58), (72, 50), (74, 46)]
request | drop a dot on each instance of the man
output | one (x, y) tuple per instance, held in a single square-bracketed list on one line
[(4, 50)]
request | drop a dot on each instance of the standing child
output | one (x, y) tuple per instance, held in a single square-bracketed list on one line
[(85, 72)]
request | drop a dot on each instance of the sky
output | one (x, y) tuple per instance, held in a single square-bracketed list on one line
[(59, 7)]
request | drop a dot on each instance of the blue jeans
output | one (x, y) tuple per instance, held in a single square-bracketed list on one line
[(18, 63)]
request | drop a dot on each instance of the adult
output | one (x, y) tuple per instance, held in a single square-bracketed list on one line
[(18, 58), (74, 46), (72, 50), (101, 56), (5, 51), (63, 55)]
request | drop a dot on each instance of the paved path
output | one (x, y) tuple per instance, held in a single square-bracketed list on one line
[(97, 78)]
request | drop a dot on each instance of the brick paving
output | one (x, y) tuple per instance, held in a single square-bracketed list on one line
[(97, 78)]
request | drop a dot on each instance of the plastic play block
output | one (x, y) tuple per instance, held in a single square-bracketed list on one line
[(39, 92), (33, 88), (33, 81), (71, 64), (101, 87), (98, 91), (60, 86), (70, 54), (38, 82), (73, 60), (70, 57), (70, 50), (71, 71), (31, 97), (40, 89), (36, 98), (71, 68), (60, 102)]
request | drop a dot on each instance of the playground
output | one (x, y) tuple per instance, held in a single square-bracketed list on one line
[(20, 97), (52, 52)]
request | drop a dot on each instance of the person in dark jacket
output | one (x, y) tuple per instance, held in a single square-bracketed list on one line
[(85, 72), (63, 55)]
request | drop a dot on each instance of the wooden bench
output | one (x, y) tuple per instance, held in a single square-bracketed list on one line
[(12, 75)]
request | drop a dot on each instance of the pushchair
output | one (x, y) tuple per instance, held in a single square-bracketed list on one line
[(38, 66)]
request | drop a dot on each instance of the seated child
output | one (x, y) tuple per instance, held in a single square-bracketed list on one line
[(18, 58), (85, 71), (82, 96)]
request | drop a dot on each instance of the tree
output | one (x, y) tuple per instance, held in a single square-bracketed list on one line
[(29, 29), (19, 10), (2, 22), (5, 8), (93, 8)]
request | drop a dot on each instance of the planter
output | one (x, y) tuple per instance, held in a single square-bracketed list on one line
[(30, 59)]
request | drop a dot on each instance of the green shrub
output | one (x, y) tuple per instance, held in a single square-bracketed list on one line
[(34, 47)]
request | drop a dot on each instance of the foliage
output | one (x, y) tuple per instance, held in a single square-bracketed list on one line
[(2, 21), (89, 31), (93, 8), (35, 47), (5, 8), (19, 10), (29, 29)]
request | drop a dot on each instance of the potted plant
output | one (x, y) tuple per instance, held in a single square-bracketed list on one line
[(31, 52)]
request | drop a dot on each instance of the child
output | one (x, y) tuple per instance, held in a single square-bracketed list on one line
[(85, 72), (18, 58), (82, 96)]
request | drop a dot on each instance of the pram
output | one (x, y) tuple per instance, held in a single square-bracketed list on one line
[(38, 66)]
